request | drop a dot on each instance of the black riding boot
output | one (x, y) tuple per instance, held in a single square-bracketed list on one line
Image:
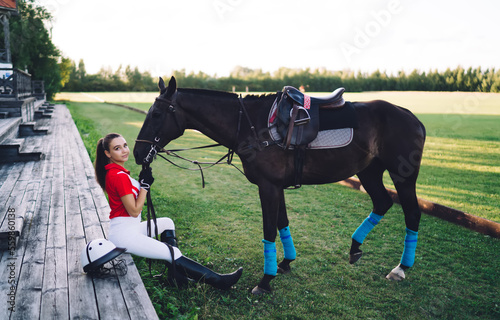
[(199, 273), (176, 278), (168, 237)]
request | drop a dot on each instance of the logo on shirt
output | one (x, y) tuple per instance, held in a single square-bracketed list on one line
[(136, 186)]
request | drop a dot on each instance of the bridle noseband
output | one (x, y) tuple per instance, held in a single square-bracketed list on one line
[(153, 151)]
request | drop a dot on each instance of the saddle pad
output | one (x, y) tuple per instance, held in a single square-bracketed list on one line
[(335, 138), (326, 139)]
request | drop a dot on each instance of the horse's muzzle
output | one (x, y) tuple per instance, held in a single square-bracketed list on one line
[(151, 155), (138, 160)]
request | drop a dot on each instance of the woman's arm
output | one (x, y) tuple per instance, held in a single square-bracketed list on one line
[(132, 205)]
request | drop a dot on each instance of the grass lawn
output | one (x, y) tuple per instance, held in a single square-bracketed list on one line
[(456, 274)]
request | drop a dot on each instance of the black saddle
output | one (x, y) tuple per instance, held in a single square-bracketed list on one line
[(298, 120), (333, 100), (298, 114)]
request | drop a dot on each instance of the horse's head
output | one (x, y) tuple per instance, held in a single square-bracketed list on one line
[(163, 124)]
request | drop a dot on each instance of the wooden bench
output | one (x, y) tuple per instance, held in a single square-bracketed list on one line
[(64, 208), (9, 127), (13, 146)]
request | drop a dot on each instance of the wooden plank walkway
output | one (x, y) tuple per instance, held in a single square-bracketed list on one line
[(63, 208)]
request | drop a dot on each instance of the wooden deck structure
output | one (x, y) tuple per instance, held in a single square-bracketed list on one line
[(57, 207)]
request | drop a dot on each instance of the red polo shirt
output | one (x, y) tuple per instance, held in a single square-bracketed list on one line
[(119, 184)]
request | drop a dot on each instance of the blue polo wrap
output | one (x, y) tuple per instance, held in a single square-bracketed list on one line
[(366, 226), (287, 241), (270, 263), (408, 257)]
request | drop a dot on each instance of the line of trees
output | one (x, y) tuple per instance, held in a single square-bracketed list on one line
[(318, 80), (123, 79)]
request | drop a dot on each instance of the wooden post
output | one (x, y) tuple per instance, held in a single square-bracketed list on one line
[(4, 20)]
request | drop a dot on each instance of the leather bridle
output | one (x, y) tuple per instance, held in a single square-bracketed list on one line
[(156, 149)]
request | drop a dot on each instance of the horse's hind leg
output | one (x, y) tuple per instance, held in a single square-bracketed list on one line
[(403, 159), (371, 179), (405, 187)]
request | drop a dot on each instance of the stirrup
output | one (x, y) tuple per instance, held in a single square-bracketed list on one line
[(301, 121)]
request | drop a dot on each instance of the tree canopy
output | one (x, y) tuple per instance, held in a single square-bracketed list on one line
[(32, 47)]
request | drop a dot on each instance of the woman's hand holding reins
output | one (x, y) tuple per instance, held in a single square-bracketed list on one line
[(146, 178), (134, 205)]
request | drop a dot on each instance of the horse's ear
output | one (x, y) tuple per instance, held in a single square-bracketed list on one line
[(172, 87), (161, 85)]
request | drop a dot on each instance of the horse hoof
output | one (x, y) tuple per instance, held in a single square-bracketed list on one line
[(284, 271), (397, 274), (259, 291), (354, 257), (284, 266)]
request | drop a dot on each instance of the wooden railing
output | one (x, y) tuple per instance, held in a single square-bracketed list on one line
[(14, 83), (38, 87)]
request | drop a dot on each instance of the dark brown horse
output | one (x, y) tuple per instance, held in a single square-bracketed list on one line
[(388, 138)]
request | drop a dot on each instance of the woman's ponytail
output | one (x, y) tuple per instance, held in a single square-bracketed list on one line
[(101, 160)]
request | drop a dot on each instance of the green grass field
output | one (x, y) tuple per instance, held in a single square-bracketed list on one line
[(455, 276)]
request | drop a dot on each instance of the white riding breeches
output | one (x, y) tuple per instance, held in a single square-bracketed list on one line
[(131, 233)]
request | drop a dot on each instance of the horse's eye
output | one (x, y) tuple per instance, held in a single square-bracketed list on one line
[(157, 114)]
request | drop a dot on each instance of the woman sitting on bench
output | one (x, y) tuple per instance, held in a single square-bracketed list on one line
[(126, 199)]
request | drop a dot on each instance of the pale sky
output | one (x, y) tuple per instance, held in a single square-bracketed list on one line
[(214, 36)]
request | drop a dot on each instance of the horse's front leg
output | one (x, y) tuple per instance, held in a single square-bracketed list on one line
[(270, 203), (285, 237)]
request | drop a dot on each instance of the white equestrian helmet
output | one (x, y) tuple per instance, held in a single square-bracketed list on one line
[(97, 252)]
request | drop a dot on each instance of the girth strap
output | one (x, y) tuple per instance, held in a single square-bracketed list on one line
[(291, 126), (299, 158)]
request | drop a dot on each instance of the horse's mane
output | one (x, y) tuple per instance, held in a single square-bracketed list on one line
[(260, 96), (206, 92), (224, 94)]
